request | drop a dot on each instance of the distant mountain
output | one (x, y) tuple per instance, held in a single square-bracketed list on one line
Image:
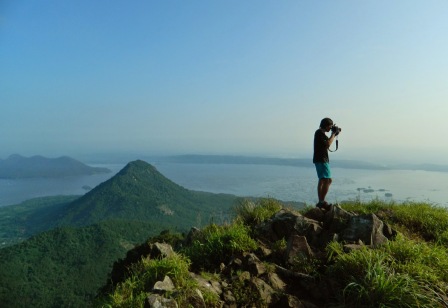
[(253, 160), (296, 162), (17, 166), (140, 192)]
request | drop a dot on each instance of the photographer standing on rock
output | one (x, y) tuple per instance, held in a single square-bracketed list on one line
[(321, 160)]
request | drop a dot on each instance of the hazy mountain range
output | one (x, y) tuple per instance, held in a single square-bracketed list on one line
[(297, 162), (17, 167)]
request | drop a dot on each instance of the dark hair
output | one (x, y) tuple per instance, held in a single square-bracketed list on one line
[(325, 122)]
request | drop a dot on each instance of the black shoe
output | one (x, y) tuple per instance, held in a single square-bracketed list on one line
[(324, 206), (321, 204)]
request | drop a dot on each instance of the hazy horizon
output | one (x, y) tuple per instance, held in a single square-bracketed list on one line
[(254, 78), (125, 157)]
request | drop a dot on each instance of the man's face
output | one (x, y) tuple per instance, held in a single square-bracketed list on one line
[(328, 127)]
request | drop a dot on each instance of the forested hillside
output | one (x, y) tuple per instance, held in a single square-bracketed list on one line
[(65, 265)]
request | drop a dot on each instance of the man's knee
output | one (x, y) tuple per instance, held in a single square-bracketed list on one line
[(326, 181)]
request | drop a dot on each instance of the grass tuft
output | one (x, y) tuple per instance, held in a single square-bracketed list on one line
[(216, 244), (255, 212)]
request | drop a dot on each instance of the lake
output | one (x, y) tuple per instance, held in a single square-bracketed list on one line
[(282, 182)]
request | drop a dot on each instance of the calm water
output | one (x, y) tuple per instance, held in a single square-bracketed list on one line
[(282, 182)]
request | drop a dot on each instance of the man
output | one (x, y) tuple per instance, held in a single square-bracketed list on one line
[(321, 160)]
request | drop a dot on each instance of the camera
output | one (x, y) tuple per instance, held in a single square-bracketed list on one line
[(335, 130)]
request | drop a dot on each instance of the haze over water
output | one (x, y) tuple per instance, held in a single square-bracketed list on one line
[(281, 182)]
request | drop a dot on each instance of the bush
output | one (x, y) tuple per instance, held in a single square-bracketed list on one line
[(144, 274), (216, 244), (253, 213)]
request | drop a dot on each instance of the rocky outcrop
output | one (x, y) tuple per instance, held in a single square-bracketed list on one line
[(271, 279)]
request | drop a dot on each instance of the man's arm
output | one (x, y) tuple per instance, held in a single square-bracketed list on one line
[(331, 139)]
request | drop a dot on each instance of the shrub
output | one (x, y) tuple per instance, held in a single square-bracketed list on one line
[(253, 213), (216, 244), (144, 274)]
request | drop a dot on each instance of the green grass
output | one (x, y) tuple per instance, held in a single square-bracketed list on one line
[(143, 275), (216, 244), (252, 213), (374, 278), (422, 220), (410, 271)]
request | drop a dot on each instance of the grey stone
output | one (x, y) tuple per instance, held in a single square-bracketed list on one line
[(164, 286)]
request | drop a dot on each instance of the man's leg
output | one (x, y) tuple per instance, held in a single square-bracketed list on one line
[(322, 188)]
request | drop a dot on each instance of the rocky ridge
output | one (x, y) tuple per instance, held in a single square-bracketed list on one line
[(269, 276)]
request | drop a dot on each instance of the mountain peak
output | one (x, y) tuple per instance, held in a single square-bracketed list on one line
[(138, 166), (136, 191)]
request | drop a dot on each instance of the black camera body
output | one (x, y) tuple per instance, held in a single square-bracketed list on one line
[(335, 130)]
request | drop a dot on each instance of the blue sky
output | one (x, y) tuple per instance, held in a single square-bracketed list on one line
[(224, 77)]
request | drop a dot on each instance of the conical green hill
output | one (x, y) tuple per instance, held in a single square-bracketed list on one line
[(140, 192)]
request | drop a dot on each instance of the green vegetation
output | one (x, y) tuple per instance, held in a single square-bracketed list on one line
[(19, 222), (140, 192), (65, 267), (66, 264), (217, 244), (417, 220), (255, 212), (144, 274), (409, 271)]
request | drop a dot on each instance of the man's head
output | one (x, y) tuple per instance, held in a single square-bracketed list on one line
[(326, 123)]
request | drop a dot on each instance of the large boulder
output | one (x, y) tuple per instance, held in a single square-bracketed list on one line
[(287, 223), (367, 228), (317, 228)]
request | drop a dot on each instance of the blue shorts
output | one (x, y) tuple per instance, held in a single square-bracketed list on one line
[(323, 170)]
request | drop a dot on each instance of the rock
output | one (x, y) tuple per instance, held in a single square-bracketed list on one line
[(297, 247), (339, 219), (389, 232), (290, 301), (368, 228), (234, 265), (190, 236), (264, 291), (196, 299), (286, 223), (159, 250), (276, 282), (263, 251), (206, 284), (254, 265), (164, 286), (229, 299), (244, 276), (157, 301)]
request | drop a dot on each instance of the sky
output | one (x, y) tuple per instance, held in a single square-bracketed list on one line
[(252, 77)]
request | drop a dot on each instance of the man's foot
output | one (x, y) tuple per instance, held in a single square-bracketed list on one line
[(323, 205)]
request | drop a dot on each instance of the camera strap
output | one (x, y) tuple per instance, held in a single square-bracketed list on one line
[(337, 143)]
